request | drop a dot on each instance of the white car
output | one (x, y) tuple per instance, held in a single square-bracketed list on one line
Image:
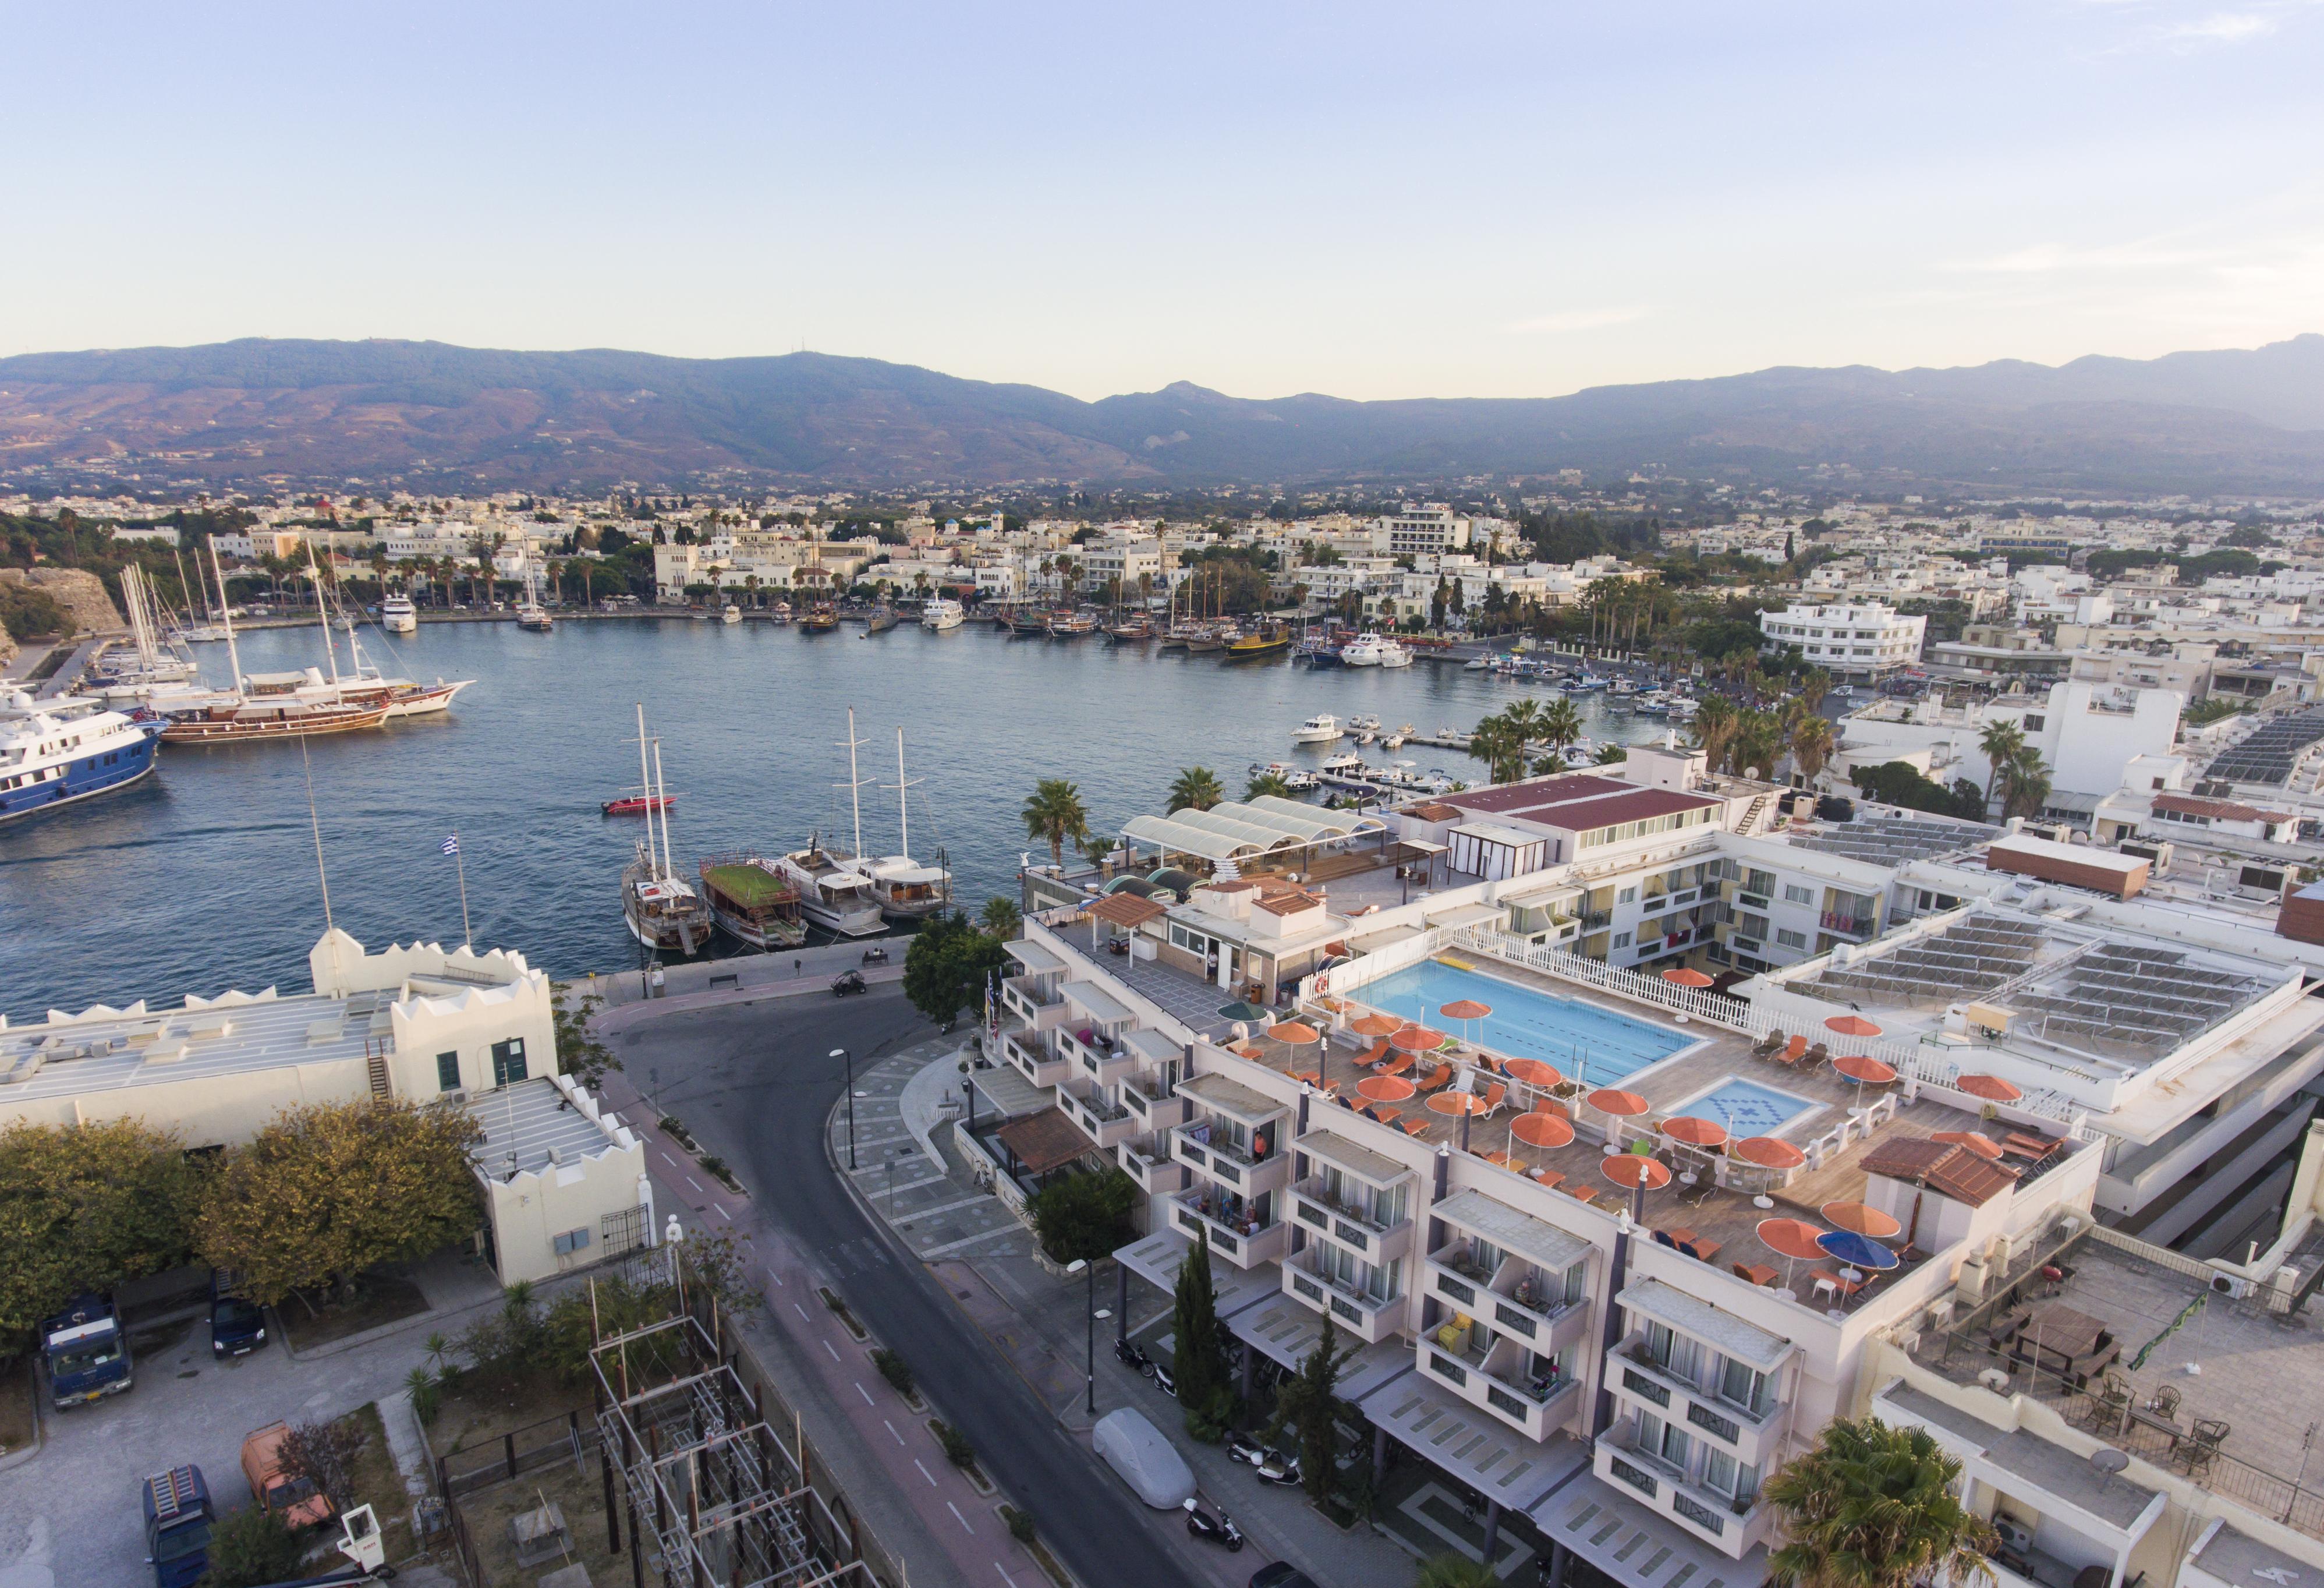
[(1146, 1459)]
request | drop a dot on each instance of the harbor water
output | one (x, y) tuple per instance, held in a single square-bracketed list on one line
[(203, 877)]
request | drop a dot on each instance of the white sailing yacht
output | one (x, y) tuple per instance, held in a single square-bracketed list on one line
[(832, 893), (662, 910), (907, 889)]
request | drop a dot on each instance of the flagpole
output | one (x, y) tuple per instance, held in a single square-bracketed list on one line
[(460, 862)]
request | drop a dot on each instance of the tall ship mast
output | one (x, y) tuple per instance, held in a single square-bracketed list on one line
[(907, 889), (664, 913), (834, 892)]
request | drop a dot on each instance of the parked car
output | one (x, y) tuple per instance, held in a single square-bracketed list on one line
[(237, 1323), (847, 981), (1282, 1573), (291, 1496), (1145, 1459)]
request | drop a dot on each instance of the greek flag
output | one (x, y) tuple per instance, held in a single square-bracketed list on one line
[(452, 844)]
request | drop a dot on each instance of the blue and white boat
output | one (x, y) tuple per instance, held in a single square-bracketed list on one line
[(55, 751)]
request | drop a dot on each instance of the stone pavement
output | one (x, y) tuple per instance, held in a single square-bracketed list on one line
[(984, 1257)]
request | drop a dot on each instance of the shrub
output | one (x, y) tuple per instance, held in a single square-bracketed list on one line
[(956, 1447), (427, 1394), (324, 1454), (1021, 1525), (251, 1546), (894, 1368)]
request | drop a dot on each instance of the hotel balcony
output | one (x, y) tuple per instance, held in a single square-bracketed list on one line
[(1344, 1224), (1719, 1520), (1718, 1424), (1847, 926), (1494, 1376), (1143, 1096), (1100, 1060), (1105, 1121), (1025, 1052), (1243, 1241), (1025, 997), (1205, 1149), (1514, 1297), (1369, 1318), (1146, 1158)]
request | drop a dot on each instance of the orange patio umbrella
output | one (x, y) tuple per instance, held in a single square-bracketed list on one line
[(1376, 1025), (1852, 1025), (1623, 1105), (1793, 1240), (1766, 1152), (1984, 1147), (1685, 975), (1691, 1131), (1542, 1130), (1864, 1069), (1465, 1009), (1417, 1039), (1384, 1089), (1856, 1217), (1992, 1088), (1460, 1103), (1533, 1072), (1297, 1033), (1635, 1171)]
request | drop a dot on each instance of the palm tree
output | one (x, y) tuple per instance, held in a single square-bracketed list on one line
[(1001, 917), (1053, 814), (1814, 685), (1716, 723), (1455, 1570), (1561, 724), (1874, 1507), (1811, 747), (1267, 783), (2001, 741), (1525, 719), (2024, 783), (1610, 753), (1195, 788), (1501, 747), (1758, 739)]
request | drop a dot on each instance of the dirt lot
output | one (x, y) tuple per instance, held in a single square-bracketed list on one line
[(384, 1298), (579, 1495), (486, 1405), (18, 1384)]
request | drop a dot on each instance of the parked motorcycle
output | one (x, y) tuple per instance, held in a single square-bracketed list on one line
[(1245, 1448), (1280, 1469), (1131, 1354), (1219, 1528), (1165, 1381)]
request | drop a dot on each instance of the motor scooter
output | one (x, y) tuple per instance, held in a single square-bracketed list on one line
[(1131, 1354), (1219, 1528)]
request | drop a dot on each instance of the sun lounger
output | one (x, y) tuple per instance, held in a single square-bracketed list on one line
[(1548, 1178), (1442, 1076), (1766, 1045), (1413, 1127), (1756, 1273), (1493, 1097), (1793, 1051)]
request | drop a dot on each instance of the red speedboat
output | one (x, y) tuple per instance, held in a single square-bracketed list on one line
[(638, 804)]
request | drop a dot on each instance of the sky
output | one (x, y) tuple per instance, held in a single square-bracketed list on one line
[(1388, 200)]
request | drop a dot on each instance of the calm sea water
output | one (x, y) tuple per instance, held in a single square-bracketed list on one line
[(204, 877)]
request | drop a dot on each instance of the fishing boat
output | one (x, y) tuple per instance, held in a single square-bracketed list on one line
[(1128, 633), (661, 909), (1317, 730), (821, 618), (54, 752), (730, 613), (1071, 625), (881, 618), (638, 804), (397, 615), (1260, 644), (942, 613), (1206, 638), (1317, 653), (752, 900)]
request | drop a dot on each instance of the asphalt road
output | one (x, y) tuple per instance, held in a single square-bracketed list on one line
[(755, 1084)]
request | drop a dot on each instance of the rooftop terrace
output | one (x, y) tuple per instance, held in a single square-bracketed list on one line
[(239, 1032)]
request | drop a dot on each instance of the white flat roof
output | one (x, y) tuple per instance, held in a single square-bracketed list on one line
[(141, 1048), (2088, 854), (529, 1126)]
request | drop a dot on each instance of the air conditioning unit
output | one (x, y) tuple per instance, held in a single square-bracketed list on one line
[(2157, 851), (2263, 878), (2230, 1285), (2017, 1537)]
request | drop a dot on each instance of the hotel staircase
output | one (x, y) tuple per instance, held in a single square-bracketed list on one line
[(379, 1082), (1226, 871), (1750, 822)]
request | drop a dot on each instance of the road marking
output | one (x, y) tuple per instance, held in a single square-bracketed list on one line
[(1011, 1228), (1004, 1575), (802, 1313), (884, 1423), (722, 1211), (835, 1355), (866, 1394), (776, 1278), (930, 1476), (693, 1182), (960, 1518)]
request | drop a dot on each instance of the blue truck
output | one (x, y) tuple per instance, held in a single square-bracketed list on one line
[(178, 1518), (87, 1351)]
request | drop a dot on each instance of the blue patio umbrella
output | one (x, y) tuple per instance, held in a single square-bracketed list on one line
[(1244, 1011), (1857, 1251)]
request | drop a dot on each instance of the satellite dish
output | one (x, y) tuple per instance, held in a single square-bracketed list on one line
[(2107, 1461)]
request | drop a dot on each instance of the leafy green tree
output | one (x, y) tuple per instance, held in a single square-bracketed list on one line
[(1874, 1507), (83, 1208), (1084, 1217), (329, 1190), (1195, 788), (948, 964), (1001, 917), (1053, 814), (249, 1548), (1310, 1402), (1205, 1380)]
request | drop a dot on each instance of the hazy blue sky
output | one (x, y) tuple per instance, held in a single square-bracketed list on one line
[(1382, 200)]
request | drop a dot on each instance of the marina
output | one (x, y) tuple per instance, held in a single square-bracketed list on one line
[(526, 758)]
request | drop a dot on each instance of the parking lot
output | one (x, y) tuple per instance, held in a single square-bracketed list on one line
[(69, 1515)]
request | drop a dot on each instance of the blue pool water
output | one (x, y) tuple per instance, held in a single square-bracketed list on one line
[(1747, 1108), (1588, 1043)]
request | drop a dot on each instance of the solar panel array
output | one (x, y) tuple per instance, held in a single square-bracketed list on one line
[(2271, 751), (1969, 957), (1894, 842), (2127, 999)]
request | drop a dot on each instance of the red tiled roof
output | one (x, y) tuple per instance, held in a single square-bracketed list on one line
[(1434, 811), (1944, 1167), (2219, 810), (1239, 885)]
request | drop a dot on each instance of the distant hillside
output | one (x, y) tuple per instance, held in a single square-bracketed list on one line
[(2231, 420)]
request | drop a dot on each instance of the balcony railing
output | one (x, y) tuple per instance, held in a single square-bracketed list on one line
[(1851, 926), (1356, 1306), (1213, 1214)]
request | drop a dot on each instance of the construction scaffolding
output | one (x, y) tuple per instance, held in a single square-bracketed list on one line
[(714, 1497)]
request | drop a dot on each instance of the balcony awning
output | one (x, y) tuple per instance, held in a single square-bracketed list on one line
[(2053, 1479), (1723, 1331), (1537, 1240), (1476, 1447), (1233, 1098), (1161, 832), (1033, 956), (1362, 1162), (1152, 1046), (1096, 1003), (1157, 1259), (1286, 1330), (1634, 1546)]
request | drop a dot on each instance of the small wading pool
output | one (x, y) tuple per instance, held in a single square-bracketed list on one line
[(1747, 1108), (1587, 1043)]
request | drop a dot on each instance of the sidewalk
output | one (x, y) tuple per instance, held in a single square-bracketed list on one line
[(747, 976), (985, 1257)]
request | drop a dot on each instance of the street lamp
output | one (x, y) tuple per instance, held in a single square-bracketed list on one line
[(1082, 1265), (841, 1054)]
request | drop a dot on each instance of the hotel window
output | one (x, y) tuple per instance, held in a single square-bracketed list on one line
[(1626, 896), (1745, 1386), (508, 1061), (448, 1072), (1795, 894), (1621, 939), (1790, 939), (1659, 1439), (1723, 1474)]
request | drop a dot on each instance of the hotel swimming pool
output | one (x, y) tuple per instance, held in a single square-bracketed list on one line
[(1747, 1108), (1588, 1043)]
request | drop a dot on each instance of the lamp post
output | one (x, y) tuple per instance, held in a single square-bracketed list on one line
[(842, 1055), (1082, 1266)]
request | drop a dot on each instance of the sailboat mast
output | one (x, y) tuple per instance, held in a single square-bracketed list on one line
[(854, 783), (645, 787), (670, 866), (903, 801), (323, 612), (226, 611)]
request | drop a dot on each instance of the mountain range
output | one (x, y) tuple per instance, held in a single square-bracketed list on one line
[(442, 416)]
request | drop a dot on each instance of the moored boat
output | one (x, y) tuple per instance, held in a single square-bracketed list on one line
[(752, 900), (55, 753), (832, 894), (397, 615), (638, 804), (1317, 730), (942, 613), (1274, 639), (662, 911)]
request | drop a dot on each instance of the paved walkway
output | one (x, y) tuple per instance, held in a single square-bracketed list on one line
[(748, 975)]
